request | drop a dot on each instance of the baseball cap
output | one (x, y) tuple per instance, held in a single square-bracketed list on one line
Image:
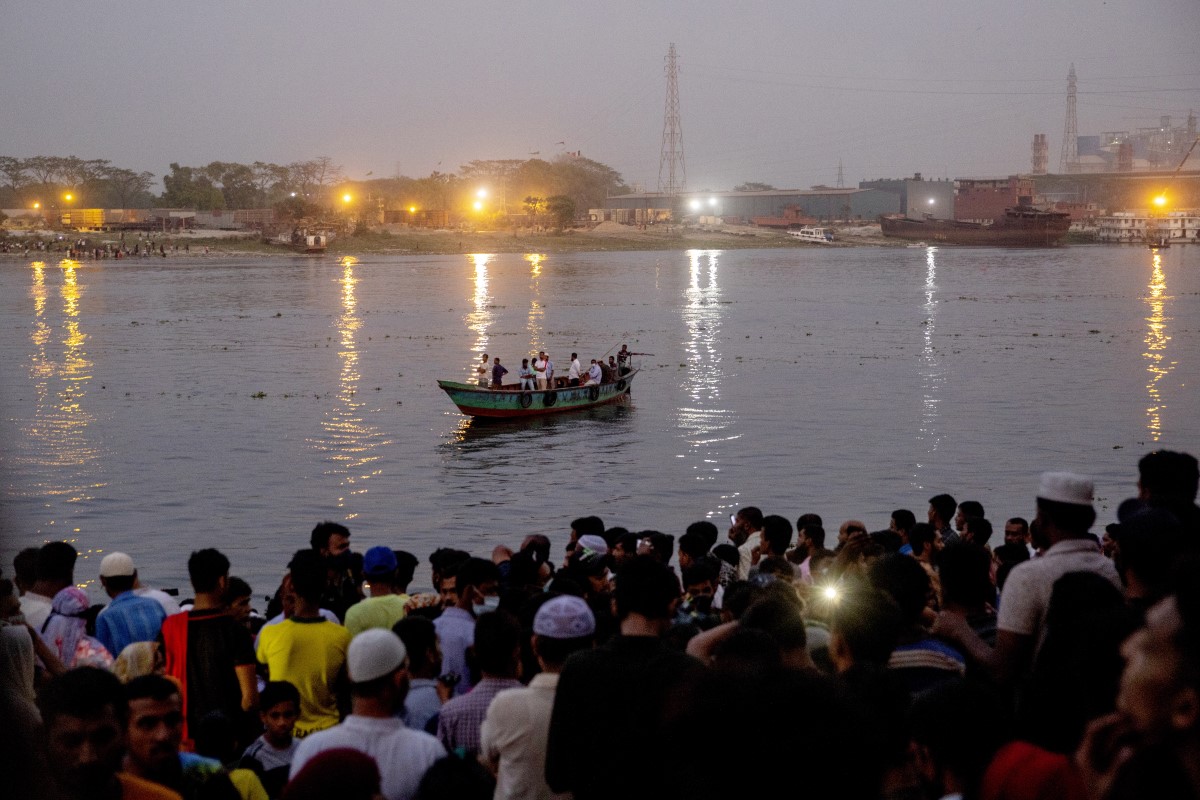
[(379, 561), (116, 565), (565, 617), (1066, 487), (373, 654)]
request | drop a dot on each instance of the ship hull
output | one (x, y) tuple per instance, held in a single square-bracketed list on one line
[(1018, 228), (511, 403)]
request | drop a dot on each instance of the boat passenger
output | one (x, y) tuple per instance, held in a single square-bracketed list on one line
[(549, 372), (612, 368), (498, 373), (594, 374), (575, 370), (539, 370), (481, 371), (525, 373)]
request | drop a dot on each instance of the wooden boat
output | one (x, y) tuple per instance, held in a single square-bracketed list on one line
[(513, 401)]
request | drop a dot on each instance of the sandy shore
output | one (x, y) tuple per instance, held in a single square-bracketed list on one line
[(607, 236)]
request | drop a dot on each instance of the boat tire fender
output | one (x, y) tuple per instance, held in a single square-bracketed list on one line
[(549, 398), (593, 393), (526, 399)]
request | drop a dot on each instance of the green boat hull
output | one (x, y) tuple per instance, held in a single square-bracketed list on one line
[(512, 401)]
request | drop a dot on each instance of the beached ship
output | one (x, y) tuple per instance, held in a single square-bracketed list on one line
[(814, 235), (1019, 227), (513, 401), (302, 240)]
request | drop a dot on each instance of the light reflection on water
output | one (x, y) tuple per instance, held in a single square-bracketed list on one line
[(705, 422), (1156, 344), (350, 444), (536, 324), (931, 373), (480, 317)]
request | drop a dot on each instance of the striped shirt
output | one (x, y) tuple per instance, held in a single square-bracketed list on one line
[(462, 717), (128, 619)]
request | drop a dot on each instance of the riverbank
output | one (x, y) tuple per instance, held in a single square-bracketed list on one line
[(607, 236)]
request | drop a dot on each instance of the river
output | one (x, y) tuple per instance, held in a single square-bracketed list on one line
[(161, 405)]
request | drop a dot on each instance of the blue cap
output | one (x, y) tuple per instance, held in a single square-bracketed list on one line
[(379, 561)]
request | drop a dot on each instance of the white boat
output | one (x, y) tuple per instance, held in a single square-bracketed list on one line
[(815, 235), (916, 244)]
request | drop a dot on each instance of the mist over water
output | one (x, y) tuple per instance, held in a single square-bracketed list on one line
[(157, 407)]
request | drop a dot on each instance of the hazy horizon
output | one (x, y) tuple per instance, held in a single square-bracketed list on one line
[(773, 92)]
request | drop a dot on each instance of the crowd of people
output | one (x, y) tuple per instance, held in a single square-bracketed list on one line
[(538, 372), (930, 659), (84, 248)]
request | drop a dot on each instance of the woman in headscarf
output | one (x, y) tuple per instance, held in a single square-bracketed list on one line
[(65, 632), (138, 659)]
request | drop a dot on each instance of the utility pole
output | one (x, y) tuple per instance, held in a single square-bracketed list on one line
[(670, 162)]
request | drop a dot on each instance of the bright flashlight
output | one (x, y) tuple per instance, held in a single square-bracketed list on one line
[(830, 592)]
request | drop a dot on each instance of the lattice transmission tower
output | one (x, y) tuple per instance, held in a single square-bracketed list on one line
[(1068, 160), (672, 173)]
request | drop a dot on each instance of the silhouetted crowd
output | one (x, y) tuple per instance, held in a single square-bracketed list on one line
[(945, 658)]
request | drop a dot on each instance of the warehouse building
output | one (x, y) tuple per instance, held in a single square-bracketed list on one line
[(819, 204)]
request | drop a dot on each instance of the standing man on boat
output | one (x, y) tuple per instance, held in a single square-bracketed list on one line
[(539, 370), (525, 373), (549, 372), (481, 371), (498, 373), (573, 372)]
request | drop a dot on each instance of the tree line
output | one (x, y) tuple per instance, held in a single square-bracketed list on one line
[(532, 187)]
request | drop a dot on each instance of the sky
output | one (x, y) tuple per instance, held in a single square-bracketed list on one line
[(774, 91)]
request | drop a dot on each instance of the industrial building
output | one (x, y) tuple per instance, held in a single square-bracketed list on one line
[(819, 204)]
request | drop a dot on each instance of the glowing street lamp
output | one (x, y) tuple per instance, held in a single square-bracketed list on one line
[(346, 198), (712, 201), (1160, 201), (412, 209), (478, 205), (68, 197), (481, 194), (694, 205), (36, 205)]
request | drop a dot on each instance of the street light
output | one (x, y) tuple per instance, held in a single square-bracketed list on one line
[(478, 205), (1160, 201), (346, 198), (482, 193), (694, 205)]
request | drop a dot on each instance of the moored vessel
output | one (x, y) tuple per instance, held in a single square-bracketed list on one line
[(1019, 227)]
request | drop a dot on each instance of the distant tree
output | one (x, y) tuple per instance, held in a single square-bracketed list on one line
[(15, 172), (753, 186), (295, 209), (561, 209), (45, 169), (533, 207), (125, 188), (189, 187)]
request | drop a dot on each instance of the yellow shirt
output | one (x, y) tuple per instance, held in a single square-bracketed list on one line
[(311, 655), (375, 612)]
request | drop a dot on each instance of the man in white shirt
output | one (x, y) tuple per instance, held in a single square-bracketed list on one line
[(539, 370), (594, 374), (744, 533), (517, 725), (55, 572), (377, 664), (575, 370)]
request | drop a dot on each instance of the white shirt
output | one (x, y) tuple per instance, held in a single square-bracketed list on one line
[(573, 372), (402, 754), (746, 555), (1026, 594), (594, 374), (168, 603), (514, 736), (36, 609)]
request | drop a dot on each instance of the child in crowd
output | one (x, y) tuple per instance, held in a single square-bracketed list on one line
[(270, 755)]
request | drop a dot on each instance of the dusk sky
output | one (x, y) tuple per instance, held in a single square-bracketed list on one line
[(774, 91)]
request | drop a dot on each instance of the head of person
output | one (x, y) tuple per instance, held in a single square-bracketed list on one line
[(377, 666), (498, 638), (662, 545), (380, 565), (406, 568), (977, 530), (421, 643), (83, 714), (810, 537), (117, 574), (645, 587), (707, 530), (624, 549), (209, 572), (237, 598), (331, 539), (155, 726), (864, 626), (478, 586), (278, 710), (1006, 557), (693, 546), (848, 529), (56, 565), (1167, 477), (956, 729), (456, 779), (307, 570), (1016, 531), (483, 357), (941, 510), (700, 581), (745, 522), (339, 772), (1064, 507), (907, 583), (443, 563), (1148, 546), (902, 522), (25, 569), (965, 569), (925, 540), (776, 535), (586, 526), (496, 360), (966, 510), (138, 659), (784, 623), (524, 362), (776, 567)]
